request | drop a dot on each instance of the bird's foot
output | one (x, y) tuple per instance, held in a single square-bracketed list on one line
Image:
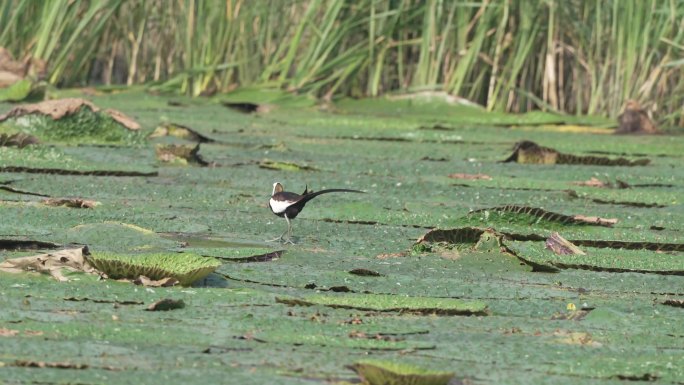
[(282, 239)]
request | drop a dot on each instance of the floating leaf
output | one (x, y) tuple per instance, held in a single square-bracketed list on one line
[(525, 215), (284, 166), (469, 235), (186, 268), (395, 303), (179, 154), (600, 259), (375, 372), (528, 152)]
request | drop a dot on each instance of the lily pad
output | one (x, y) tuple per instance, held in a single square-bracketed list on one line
[(392, 303), (528, 152), (530, 216), (186, 268), (376, 372), (285, 166), (298, 338), (116, 236), (601, 259)]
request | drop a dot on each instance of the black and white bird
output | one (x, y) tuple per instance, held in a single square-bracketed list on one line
[(288, 205)]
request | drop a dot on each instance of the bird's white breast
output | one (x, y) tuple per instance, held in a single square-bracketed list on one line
[(279, 206)]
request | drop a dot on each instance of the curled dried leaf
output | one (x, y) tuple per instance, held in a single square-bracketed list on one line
[(596, 220), (78, 203), (164, 282), (562, 246), (70, 260), (593, 182), (470, 176)]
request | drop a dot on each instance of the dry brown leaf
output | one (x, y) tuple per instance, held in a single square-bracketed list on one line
[(593, 182), (71, 260), (576, 338), (78, 203), (596, 220), (674, 302), (43, 364), (7, 79), (562, 246), (164, 282), (390, 255), (357, 334), (470, 176), (59, 108), (9, 64), (123, 119), (12, 70), (8, 332)]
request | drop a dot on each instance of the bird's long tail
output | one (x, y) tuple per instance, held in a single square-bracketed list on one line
[(312, 195)]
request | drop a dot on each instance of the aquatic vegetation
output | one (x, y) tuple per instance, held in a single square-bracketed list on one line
[(186, 268)]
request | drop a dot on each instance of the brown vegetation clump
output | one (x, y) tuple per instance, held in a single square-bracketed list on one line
[(634, 120), (59, 108), (11, 70)]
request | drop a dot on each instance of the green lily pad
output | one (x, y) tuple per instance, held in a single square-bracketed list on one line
[(601, 259), (186, 268), (392, 303), (118, 237), (376, 372), (298, 338), (285, 166)]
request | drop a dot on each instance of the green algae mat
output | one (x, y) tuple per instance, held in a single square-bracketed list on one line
[(444, 272)]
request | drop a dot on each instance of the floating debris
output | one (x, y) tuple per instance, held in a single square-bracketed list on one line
[(528, 152)]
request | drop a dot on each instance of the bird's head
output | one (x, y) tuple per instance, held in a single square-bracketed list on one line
[(277, 187)]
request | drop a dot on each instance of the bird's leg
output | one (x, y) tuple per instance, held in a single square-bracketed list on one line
[(281, 238), (289, 232)]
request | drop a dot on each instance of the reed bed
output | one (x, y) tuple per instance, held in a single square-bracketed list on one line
[(571, 56)]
